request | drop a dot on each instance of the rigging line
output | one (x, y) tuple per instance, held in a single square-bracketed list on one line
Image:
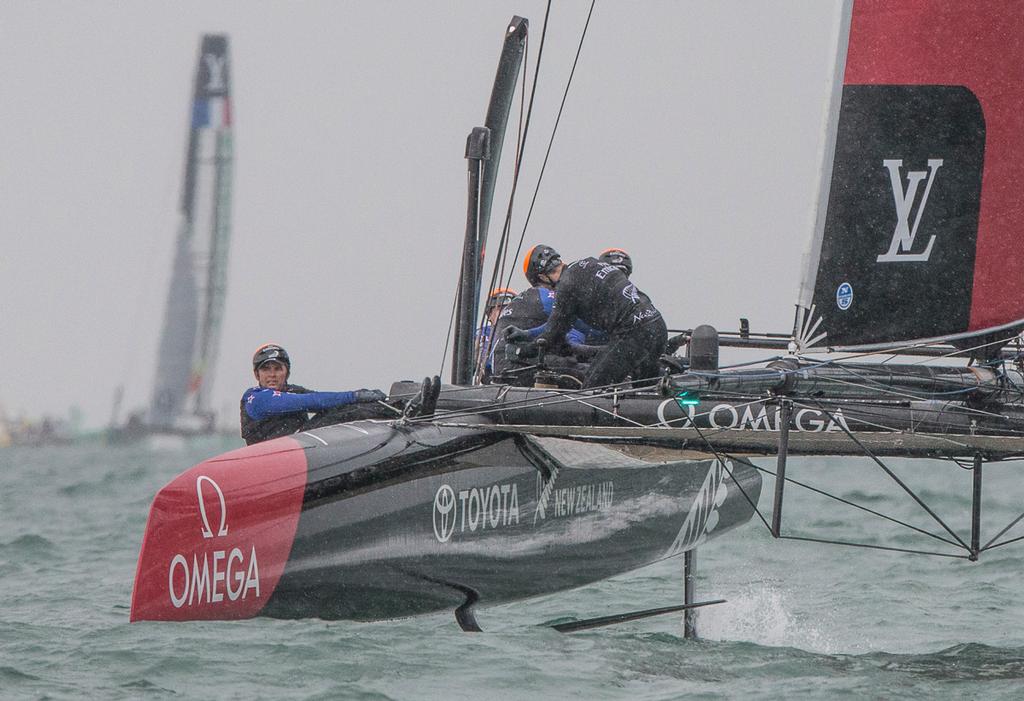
[(610, 413), (1005, 542), (882, 427), (571, 396), (871, 547), (725, 465), (554, 130), (895, 478), (878, 385), (528, 403), (894, 431), (881, 351), (968, 350), (859, 506), (451, 322), (506, 233), (872, 383), (996, 537)]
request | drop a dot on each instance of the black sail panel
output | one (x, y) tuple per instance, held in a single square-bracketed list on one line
[(897, 257)]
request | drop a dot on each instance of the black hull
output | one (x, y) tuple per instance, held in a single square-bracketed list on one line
[(396, 520)]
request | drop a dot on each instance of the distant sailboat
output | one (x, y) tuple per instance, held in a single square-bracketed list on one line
[(190, 338)]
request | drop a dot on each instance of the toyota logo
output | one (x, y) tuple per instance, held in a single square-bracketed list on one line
[(444, 513)]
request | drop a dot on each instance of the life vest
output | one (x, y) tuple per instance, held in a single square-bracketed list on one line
[(254, 431)]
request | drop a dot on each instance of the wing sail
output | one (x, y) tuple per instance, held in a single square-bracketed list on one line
[(195, 300), (921, 235)]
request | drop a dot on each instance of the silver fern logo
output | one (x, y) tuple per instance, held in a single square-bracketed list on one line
[(703, 516)]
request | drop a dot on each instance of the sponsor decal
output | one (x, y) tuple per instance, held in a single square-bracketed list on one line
[(582, 498), (751, 417), (218, 572), (844, 296), (444, 516), (903, 236), (630, 293), (571, 500), (703, 515), (645, 315), (474, 509), (215, 69)]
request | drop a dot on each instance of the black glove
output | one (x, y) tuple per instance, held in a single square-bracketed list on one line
[(675, 342), (370, 395), (514, 334)]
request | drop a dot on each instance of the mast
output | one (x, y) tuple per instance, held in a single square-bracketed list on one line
[(484, 161), (195, 299)]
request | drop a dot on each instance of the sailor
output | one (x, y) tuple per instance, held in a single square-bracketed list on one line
[(619, 258), (275, 408), (601, 295), (622, 260), (496, 301), (530, 309)]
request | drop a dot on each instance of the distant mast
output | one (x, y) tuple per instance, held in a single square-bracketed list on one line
[(190, 339)]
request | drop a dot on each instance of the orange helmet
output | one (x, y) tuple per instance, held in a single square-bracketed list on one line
[(538, 261), (619, 258), (500, 297), (268, 352)]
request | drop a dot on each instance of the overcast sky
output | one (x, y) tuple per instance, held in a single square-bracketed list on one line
[(691, 137)]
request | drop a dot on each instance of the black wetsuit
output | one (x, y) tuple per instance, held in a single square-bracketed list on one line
[(602, 296), (529, 309)]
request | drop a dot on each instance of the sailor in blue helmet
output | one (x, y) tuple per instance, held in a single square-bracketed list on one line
[(598, 292), (275, 408)]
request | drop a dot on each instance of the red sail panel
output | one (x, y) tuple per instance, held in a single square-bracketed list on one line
[(977, 45), (219, 535)]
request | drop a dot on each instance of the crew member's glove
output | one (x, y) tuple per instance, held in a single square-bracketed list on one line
[(370, 395), (675, 342), (514, 334)]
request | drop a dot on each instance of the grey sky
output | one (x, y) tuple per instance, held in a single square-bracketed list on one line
[(690, 138)]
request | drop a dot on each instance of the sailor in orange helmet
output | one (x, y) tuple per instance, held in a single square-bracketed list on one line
[(598, 292), (496, 301), (530, 309)]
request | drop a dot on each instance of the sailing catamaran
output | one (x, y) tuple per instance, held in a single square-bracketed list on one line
[(190, 339), (491, 493)]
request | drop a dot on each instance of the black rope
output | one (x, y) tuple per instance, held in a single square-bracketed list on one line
[(999, 545), (894, 477), (451, 322), (996, 537), (871, 547), (858, 506), (551, 141)]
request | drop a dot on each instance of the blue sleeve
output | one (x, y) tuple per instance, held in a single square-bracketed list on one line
[(547, 300), (262, 403), (575, 337)]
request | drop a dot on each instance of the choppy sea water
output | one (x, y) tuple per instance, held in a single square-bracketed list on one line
[(803, 620)]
